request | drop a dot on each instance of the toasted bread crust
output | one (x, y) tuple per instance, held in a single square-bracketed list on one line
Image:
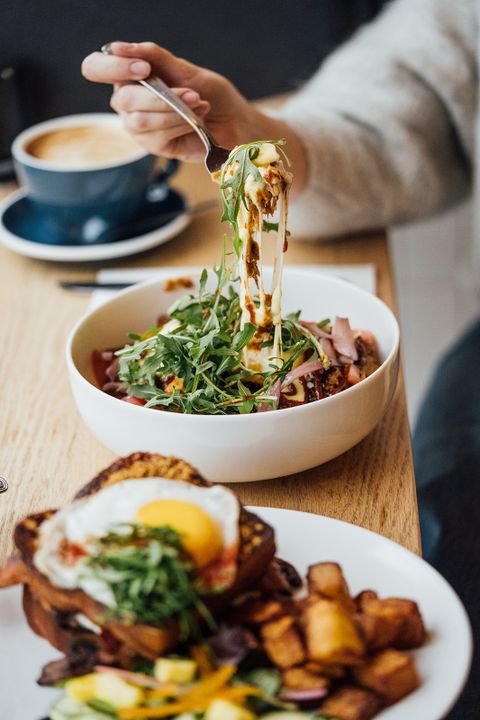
[(25, 535), (142, 465)]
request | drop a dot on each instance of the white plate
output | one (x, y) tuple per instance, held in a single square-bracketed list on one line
[(369, 561), (86, 253)]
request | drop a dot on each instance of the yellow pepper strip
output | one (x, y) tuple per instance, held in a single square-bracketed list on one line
[(207, 686), (175, 708), (198, 698), (203, 657), (212, 683), (167, 690), (238, 693), (149, 333)]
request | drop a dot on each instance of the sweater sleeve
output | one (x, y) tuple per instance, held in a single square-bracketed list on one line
[(388, 121)]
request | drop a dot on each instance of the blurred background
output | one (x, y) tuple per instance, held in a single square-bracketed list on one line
[(264, 48)]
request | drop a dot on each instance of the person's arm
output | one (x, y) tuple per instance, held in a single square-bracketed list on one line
[(388, 121)]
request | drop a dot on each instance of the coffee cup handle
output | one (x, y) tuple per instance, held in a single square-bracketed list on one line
[(158, 189), (165, 173)]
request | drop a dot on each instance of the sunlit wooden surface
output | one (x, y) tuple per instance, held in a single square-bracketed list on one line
[(46, 452)]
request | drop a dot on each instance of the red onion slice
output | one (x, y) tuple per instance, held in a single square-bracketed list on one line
[(304, 696), (315, 330), (112, 370), (343, 339), (329, 350), (139, 679), (306, 367), (230, 645), (114, 387)]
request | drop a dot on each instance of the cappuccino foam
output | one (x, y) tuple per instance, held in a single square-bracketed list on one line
[(85, 146)]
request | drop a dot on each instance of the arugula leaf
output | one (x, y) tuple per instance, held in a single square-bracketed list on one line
[(235, 171), (204, 354), (269, 226)]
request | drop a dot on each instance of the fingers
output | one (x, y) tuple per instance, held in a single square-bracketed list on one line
[(172, 69), (168, 123), (143, 122), (111, 69), (143, 113), (135, 98), (135, 61)]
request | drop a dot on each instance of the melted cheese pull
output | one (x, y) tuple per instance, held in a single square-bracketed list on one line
[(266, 194)]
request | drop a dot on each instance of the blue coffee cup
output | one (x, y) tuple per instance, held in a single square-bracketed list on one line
[(85, 198)]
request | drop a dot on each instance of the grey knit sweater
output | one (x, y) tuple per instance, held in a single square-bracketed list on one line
[(391, 120)]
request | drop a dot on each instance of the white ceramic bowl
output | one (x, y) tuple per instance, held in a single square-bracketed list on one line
[(238, 448)]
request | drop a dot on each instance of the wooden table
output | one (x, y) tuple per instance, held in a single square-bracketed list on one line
[(46, 452)]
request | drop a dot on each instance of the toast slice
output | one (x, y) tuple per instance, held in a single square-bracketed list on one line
[(54, 612)]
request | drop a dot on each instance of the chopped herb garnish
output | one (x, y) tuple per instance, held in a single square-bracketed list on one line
[(151, 578)]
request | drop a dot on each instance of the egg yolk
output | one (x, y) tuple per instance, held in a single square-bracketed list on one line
[(199, 533)]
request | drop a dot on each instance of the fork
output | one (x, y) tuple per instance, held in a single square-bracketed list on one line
[(215, 155)]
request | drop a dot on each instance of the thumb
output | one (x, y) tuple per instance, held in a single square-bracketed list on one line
[(171, 69)]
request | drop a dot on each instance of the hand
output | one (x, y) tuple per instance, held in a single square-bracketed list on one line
[(231, 119), (151, 122)]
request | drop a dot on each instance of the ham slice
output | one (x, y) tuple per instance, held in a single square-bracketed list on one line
[(343, 340)]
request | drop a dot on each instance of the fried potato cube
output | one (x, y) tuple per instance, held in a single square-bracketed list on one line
[(398, 622), (364, 597), (301, 678), (282, 642), (389, 673), (327, 579), (331, 635), (327, 669), (351, 703), (258, 612), (377, 632)]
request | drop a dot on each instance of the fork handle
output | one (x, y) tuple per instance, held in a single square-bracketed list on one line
[(162, 91)]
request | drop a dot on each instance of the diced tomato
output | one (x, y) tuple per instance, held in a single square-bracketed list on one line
[(368, 337), (354, 375), (71, 552), (135, 401), (100, 365)]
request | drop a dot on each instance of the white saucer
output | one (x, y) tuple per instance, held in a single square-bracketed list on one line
[(85, 253)]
